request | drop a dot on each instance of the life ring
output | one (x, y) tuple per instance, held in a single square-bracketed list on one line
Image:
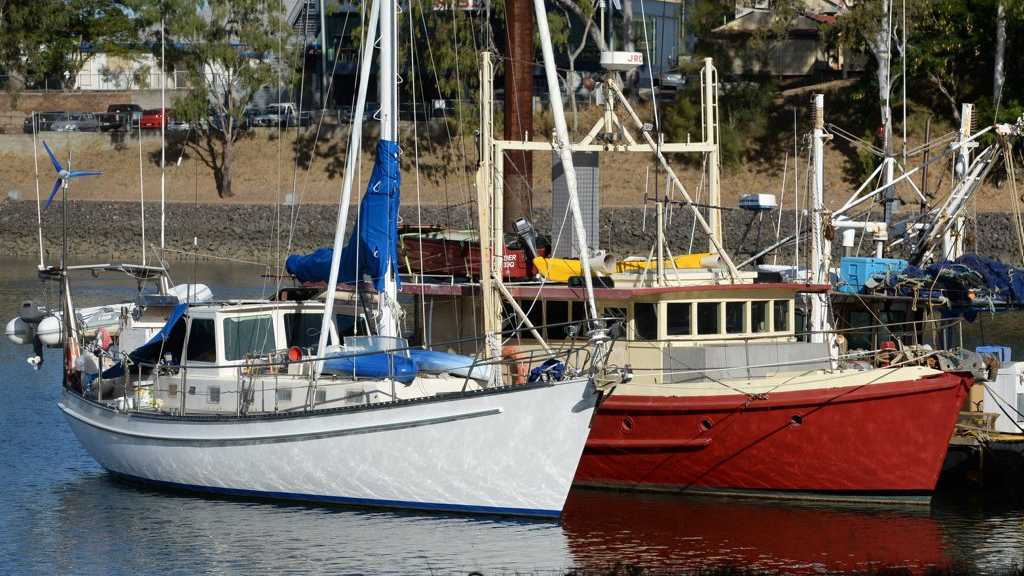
[(518, 369)]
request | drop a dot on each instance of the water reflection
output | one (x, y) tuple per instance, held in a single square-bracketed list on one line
[(59, 513), (693, 532), (99, 522)]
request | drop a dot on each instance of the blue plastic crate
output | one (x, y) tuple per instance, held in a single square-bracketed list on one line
[(1001, 352), (854, 271)]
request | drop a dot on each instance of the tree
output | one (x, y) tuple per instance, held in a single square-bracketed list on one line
[(56, 38), (227, 48), (562, 37)]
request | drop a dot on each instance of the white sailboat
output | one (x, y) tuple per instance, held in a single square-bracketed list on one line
[(274, 399)]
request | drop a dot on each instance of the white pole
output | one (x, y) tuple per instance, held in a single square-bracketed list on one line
[(142, 193), (163, 131), (351, 163), (564, 148), (388, 70), (821, 247), (39, 208)]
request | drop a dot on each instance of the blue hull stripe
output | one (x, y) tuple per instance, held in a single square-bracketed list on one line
[(365, 502)]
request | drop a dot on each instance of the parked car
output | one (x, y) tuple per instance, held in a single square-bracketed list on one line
[(153, 118), (284, 114), (129, 114), (44, 120), (77, 122)]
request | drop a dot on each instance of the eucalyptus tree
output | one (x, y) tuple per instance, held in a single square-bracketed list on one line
[(230, 50)]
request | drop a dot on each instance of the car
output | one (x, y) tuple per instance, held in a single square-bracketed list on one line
[(153, 118), (284, 114), (77, 122), (129, 114), (44, 120)]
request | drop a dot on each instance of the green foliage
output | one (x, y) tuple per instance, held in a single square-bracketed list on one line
[(41, 39), (227, 47), (745, 109)]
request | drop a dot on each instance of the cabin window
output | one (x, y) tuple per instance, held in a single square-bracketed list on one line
[(645, 316), (781, 315), (252, 335), (735, 317), (283, 395), (678, 319), (302, 330), (579, 318), (213, 395), (759, 316), (557, 313), (202, 342), (708, 317), (345, 324), (616, 320)]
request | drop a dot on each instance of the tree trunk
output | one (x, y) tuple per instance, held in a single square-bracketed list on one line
[(225, 176), (879, 44), (999, 72), (571, 89)]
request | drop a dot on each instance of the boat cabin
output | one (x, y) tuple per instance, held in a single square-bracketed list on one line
[(676, 333)]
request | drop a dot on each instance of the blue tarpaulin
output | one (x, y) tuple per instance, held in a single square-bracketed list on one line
[(373, 245), (971, 281), (381, 365), (170, 336)]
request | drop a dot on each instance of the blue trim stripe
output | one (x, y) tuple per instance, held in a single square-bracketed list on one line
[(343, 500)]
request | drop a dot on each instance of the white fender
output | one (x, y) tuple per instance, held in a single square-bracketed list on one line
[(50, 331), (19, 332)]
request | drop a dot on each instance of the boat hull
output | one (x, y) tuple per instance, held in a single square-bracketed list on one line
[(883, 440), (511, 451)]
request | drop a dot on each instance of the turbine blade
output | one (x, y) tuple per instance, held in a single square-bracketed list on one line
[(53, 159), (77, 173), (56, 186)]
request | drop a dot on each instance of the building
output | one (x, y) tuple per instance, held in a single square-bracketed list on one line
[(803, 51)]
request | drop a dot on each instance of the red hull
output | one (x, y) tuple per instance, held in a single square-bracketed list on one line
[(443, 257), (884, 439)]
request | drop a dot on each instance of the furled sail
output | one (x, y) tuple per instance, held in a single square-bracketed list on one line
[(373, 245)]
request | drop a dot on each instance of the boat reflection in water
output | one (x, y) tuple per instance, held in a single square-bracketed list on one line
[(688, 532), (69, 529)]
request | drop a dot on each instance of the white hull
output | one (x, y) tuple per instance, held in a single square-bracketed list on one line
[(510, 451)]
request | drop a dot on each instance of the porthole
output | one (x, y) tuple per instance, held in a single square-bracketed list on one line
[(706, 424), (627, 424)]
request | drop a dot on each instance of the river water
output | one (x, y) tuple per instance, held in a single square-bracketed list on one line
[(60, 513)]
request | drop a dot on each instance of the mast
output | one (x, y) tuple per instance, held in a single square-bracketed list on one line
[(163, 131), (710, 98), (518, 182), (821, 247), (388, 74), (564, 148), (953, 239), (351, 161), (323, 56), (39, 210)]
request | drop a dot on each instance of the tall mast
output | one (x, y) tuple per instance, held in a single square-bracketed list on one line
[(518, 182), (351, 161), (821, 247), (163, 130), (323, 56), (387, 326)]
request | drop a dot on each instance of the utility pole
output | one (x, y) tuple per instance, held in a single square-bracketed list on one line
[(518, 169)]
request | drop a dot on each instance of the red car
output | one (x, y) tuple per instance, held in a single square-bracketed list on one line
[(151, 119)]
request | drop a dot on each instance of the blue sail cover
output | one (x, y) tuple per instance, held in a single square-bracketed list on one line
[(373, 245), (171, 336)]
